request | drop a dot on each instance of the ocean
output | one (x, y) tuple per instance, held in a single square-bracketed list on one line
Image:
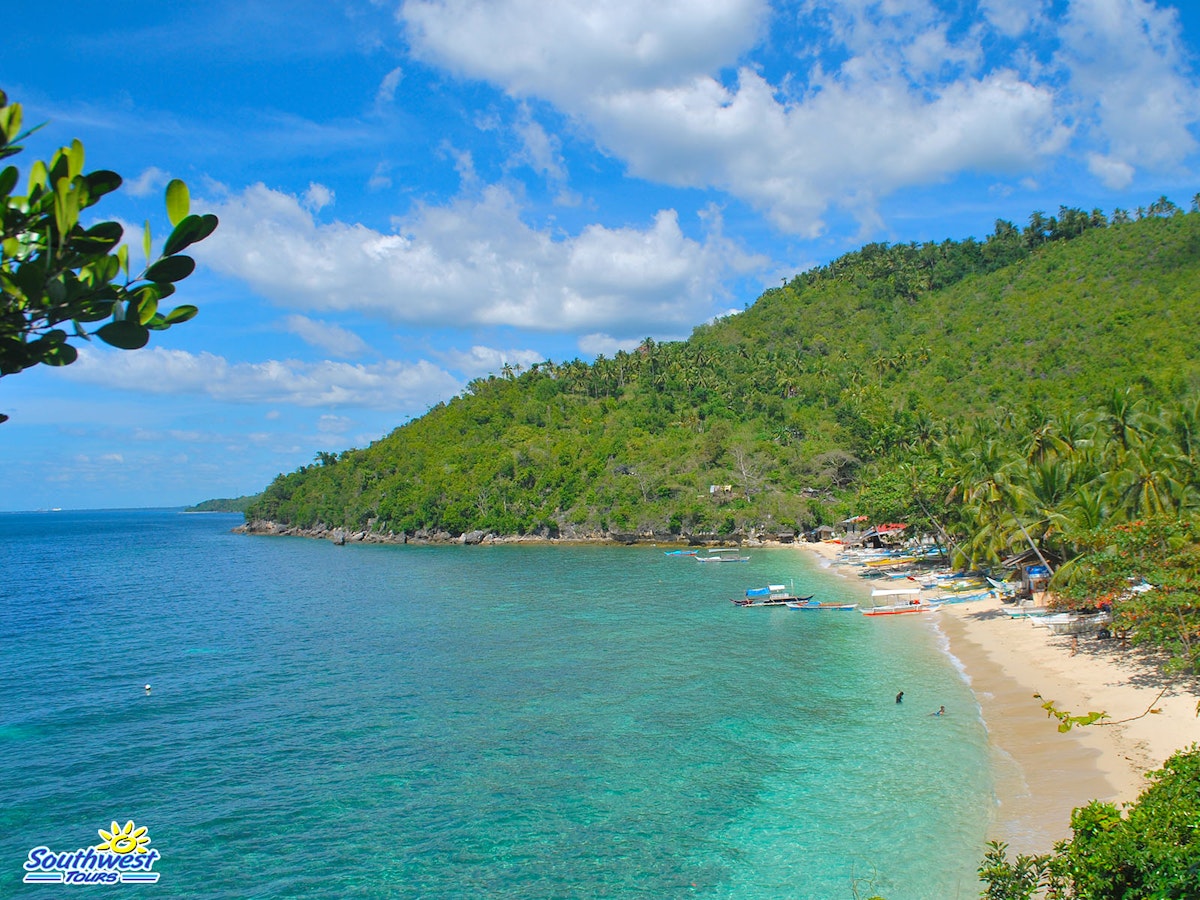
[(506, 721)]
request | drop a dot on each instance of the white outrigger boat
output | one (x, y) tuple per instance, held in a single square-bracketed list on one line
[(897, 601), (719, 556)]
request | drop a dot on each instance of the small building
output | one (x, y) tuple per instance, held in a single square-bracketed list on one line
[(821, 533), (886, 535), (1034, 570)]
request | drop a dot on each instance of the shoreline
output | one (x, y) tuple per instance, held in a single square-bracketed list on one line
[(1041, 774)]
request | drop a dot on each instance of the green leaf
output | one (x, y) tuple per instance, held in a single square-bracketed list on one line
[(125, 335), (60, 355), (180, 314), (171, 268), (74, 155), (8, 180), (10, 119), (101, 183), (146, 309), (178, 201), (189, 231), (37, 175), (99, 239), (146, 241)]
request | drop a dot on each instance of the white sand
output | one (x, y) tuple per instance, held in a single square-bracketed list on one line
[(1042, 774)]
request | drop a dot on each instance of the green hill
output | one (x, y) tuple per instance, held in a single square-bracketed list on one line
[(773, 419), (224, 504)]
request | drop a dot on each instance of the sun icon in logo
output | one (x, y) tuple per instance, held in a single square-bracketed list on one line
[(124, 840)]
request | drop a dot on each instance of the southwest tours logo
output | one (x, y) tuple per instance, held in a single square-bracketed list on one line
[(123, 857)]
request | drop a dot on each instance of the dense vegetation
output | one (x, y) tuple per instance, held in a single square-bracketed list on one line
[(1153, 850), (825, 383), (224, 504)]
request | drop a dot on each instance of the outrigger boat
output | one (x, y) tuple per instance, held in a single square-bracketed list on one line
[(903, 600), (716, 556), (810, 603), (771, 595), (681, 552)]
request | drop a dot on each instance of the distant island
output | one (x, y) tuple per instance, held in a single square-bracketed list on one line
[(224, 504)]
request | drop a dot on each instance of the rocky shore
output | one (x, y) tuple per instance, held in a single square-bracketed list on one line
[(568, 535)]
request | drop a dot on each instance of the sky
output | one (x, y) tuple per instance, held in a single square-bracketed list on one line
[(414, 194)]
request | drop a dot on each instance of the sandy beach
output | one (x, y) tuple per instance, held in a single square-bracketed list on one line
[(1041, 773)]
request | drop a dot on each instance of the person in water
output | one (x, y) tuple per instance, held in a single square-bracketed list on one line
[(941, 711), (900, 697)]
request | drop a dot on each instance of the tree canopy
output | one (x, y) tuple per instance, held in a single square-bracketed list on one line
[(60, 276)]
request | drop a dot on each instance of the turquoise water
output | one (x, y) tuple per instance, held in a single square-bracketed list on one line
[(513, 721)]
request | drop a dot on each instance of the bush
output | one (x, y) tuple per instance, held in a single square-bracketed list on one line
[(1151, 852)]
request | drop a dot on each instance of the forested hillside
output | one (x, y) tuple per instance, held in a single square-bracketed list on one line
[(845, 388)]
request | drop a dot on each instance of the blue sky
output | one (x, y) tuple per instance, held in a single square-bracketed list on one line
[(415, 194)]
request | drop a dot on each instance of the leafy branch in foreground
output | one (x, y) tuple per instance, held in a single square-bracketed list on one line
[(57, 274)]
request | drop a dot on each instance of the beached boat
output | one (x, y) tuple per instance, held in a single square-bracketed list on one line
[(896, 602), (1027, 610), (892, 559), (961, 598), (810, 604), (1074, 623)]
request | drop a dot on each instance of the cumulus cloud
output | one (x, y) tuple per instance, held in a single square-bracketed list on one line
[(565, 50), (488, 360), (1130, 83), (390, 385), (475, 262), (883, 94), (317, 197)]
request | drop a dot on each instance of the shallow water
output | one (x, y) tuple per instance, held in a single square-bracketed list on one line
[(510, 721)]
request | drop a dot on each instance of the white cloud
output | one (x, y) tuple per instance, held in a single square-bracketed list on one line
[(333, 339), (882, 94), (1128, 74), (381, 178), (541, 151), (386, 95), (389, 385), (488, 360), (843, 143), (1113, 173), (566, 50), (317, 197), (475, 262), (328, 424), (603, 344), (904, 105), (1011, 18), (151, 180)]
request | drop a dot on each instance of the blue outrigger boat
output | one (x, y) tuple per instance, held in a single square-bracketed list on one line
[(808, 603), (771, 595)]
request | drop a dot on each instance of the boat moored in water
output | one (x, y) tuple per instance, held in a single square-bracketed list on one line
[(771, 595), (810, 604)]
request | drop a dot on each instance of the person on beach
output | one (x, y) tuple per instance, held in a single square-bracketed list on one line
[(941, 711), (900, 697)]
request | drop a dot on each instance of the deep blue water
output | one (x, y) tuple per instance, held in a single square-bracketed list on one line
[(449, 722)]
